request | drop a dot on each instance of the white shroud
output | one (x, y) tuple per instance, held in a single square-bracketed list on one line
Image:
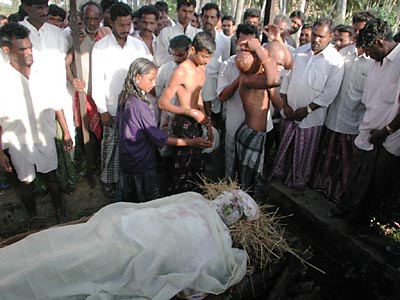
[(150, 250)]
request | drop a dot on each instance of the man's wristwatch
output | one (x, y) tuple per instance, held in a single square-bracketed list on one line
[(309, 109), (389, 130)]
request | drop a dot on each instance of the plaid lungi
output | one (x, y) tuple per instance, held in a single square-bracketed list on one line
[(188, 164), (296, 154), (109, 155), (230, 157), (250, 154), (332, 167)]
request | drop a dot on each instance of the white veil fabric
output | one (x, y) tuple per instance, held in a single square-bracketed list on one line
[(150, 250)]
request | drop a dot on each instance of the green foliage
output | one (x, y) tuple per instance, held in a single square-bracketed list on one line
[(386, 10), (391, 231)]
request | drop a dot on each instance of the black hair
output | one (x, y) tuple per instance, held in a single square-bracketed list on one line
[(209, 6), (299, 14), (135, 14), (11, 31), (186, 3), (375, 29), (149, 10), (325, 22), (180, 42), (119, 10), (34, 2), (204, 41), (86, 4), (162, 6), (252, 13), (228, 18), (15, 18), (55, 10), (140, 66), (363, 16), (106, 4), (246, 29), (396, 38), (307, 26), (345, 28)]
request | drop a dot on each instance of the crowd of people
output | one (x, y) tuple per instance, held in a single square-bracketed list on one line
[(321, 100)]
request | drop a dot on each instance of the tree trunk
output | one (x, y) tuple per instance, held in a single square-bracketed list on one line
[(202, 2), (398, 16), (233, 10), (239, 12), (284, 7), (341, 7), (302, 5)]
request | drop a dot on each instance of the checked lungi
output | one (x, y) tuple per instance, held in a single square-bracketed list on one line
[(250, 154), (188, 163), (296, 154), (109, 155)]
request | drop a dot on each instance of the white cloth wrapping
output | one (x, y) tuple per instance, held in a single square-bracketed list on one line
[(125, 251)]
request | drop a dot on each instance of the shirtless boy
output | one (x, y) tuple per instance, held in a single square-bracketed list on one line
[(261, 72), (186, 83)]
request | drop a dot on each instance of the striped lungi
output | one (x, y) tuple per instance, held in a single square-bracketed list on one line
[(296, 154), (332, 167), (109, 155), (250, 154)]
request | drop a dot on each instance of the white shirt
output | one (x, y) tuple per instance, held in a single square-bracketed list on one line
[(50, 46), (314, 78), (234, 107), (3, 59), (163, 39), (136, 34), (346, 111), (381, 99), (222, 52), (110, 65), (27, 108)]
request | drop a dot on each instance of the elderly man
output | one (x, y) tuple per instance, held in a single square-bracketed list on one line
[(308, 91), (93, 32), (107, 79), (377, 152), (185, 10), (28, 123)]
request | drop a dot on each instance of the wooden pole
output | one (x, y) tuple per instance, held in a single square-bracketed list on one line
[(82, 101), (269, 14)]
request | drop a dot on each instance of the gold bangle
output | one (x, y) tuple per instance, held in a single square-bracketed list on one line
[(266, 60), (389, 129), (187, 111)]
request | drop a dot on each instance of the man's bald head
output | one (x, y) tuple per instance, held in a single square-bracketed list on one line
[(277, 52)]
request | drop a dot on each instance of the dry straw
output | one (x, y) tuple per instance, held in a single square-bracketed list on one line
[(263, 239)]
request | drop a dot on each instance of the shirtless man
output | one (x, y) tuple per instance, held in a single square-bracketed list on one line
[(186, 83), (261, 72)]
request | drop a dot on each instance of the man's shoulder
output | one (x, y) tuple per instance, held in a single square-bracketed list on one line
[(331, 54), (303, 49)]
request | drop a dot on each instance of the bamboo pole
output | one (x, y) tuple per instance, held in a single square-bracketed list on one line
[(82, 101)]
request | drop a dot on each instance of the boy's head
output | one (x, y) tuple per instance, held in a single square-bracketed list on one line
[(179, 48), (203, 47)]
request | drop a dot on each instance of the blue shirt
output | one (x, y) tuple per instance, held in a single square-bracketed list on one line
[(138, 137)]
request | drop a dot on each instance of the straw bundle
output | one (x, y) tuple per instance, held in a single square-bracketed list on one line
[(263, 239)]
